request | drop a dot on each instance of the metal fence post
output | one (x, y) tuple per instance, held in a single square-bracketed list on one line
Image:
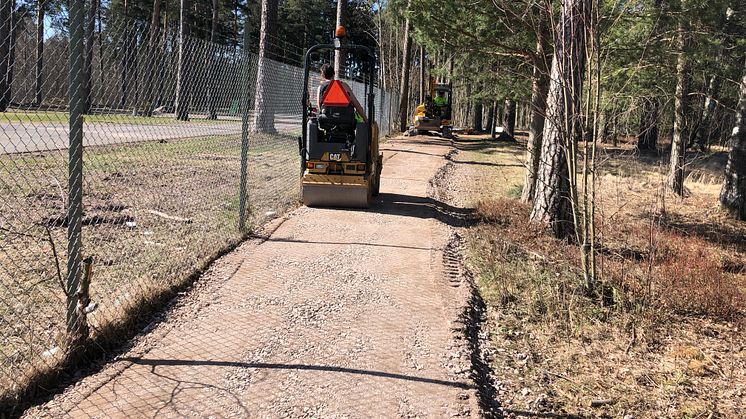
[(243, 192), (75, 168)]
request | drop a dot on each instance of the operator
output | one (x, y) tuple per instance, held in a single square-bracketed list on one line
[(327, 73), (440, 99), (440, 103)]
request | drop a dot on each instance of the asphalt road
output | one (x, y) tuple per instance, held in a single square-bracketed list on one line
[(24, 137)]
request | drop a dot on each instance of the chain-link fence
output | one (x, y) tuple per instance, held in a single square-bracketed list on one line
[(125, 170)]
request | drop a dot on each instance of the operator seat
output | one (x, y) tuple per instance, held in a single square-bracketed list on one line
[(335, 128), (337, 114)]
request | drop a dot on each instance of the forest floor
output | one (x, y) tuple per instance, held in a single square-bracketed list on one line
[(662, 336)]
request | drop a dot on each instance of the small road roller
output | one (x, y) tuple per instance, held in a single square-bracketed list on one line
[(340, 162)]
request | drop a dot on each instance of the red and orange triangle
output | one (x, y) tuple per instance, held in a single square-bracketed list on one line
[(335, 95)]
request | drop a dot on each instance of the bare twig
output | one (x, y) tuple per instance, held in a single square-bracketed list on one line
[(170, 217), (62, 193), (17, 233), (56, 259), (604, 402)]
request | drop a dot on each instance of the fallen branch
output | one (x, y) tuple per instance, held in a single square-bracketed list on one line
[(56, 260), (170, 217)]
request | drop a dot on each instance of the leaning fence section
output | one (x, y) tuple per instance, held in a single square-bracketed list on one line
[(177, 149)]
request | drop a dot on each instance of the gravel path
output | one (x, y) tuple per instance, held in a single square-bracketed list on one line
[(338, 313)]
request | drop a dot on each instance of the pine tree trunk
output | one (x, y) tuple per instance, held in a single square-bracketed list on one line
[(647, 137), (680, 131), (90, 28), (149, 96), (423, 74), (406, 65), (603, 134), (182, 71), (165, 60), (212, 112), (539, 90), (5, 40), (491, 118), (733, 194), (340, 55), (39, 69), (12, 52), (264, 113), (554, 186), (705, 128), (510, 115), (478, 116), (126, 42)]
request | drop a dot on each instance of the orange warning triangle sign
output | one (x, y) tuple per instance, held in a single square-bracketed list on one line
[(335, 95)]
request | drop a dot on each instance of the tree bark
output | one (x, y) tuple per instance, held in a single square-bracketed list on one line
[(264, 113), (478, 107), (423, 74), (182, 71), (603, 133), (647, 137), (39, 69), (126, 61), (705, 128), (212, 112), (149, 95), (733, 194), (5, 40), (406, 64), (539, 90), (161, 75), (510, 114), (12, 52), (339, 55), (90, 27), (491, 119), (680, 129), (553, 201)]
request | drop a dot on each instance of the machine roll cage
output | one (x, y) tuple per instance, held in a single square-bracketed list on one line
[(306, 101)]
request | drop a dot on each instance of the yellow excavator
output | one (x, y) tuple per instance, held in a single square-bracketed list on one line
[(434, 115), (340, 162)]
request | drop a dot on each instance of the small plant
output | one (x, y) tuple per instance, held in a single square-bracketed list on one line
[(515, 192)]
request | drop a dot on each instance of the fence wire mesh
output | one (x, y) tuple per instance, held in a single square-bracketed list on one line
[(184, 142)]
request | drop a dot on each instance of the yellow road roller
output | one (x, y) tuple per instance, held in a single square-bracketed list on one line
[(340, 161)]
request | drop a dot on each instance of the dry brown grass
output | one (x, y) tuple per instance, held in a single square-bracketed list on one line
[(662, 337)]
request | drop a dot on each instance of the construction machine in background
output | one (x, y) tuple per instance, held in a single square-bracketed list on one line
[(340, 162), (434, 115)]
